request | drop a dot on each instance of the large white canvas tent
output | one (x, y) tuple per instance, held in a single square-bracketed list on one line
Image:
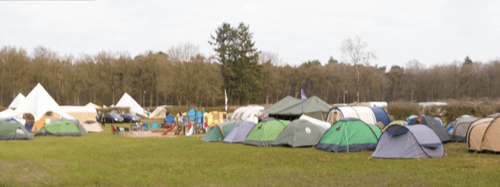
[(18, 100), (38, 103), (82, 113), (86, 115), (363, 113), (8, 113), (251, 114), (134, 107), (248, 113), (90, 104), (159, 113), (238, 112)]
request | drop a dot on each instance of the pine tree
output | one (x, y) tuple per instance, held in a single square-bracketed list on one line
[(239, 58)]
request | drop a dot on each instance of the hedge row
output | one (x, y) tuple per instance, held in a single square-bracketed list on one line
[(401, 111)]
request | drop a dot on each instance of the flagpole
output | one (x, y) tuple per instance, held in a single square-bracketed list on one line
[(225, 99)]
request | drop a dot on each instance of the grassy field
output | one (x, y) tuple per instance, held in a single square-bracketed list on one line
[(114, 160)]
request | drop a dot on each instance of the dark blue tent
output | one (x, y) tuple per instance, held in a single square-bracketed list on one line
[(381, 115), (27, 126)]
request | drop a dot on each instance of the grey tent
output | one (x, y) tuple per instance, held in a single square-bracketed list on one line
[(413, 141), (239, 132), (75, 121), (282, 104), (313, 107), (493, 115), (434, 125), (300, 133), (458, 128), (13, 130)]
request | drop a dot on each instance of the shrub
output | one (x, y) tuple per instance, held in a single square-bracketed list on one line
[(402, 110), (457, 109)]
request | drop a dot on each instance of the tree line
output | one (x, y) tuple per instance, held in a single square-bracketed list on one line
[(183, 76)]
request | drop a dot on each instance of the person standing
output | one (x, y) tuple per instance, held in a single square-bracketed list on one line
[(103, 121), (178, 121)]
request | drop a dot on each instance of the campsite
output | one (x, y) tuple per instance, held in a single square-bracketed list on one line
[(249, 93), (293, 142)]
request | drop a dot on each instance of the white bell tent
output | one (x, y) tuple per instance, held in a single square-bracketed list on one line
[(18, 100), (38, 103), (129, 102)]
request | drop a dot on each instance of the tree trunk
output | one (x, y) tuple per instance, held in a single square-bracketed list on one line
[(357, 84), (151, 99), (267, 99)]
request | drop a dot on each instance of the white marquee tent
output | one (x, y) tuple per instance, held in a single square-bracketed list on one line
[(38, 103), (251, 114), (128, 101), (8, 113), (90, 104), (159, 113), (15, 103)]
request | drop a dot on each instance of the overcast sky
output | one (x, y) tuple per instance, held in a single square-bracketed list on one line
[(431, 31)]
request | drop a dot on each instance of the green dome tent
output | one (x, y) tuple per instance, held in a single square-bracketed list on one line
[(63, 128), (14, 131), (265, 132), (349, 135), (74, 121), (300, 133), (218, 132)]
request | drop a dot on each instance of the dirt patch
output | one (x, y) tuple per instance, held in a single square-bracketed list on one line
[(156, 133), (148, 134)]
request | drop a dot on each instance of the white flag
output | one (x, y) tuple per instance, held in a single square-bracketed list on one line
[(225, 100)]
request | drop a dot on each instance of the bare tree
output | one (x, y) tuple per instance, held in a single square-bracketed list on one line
[(355, 52)]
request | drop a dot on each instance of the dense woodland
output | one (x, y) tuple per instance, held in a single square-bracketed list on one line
[(184, 76)]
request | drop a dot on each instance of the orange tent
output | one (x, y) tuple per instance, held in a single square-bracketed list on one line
[(40, 123)]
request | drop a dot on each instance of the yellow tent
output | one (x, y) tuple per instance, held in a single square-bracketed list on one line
[(215, 117)]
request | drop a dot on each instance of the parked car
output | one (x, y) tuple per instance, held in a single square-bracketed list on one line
[(113, 118), (130, 118)]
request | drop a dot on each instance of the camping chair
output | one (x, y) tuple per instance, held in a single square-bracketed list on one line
[(154, 126), (119, 130), (133, 127), (115, 131), (145, 126), (126, 129)]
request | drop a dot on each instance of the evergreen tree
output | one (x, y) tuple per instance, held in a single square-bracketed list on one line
[(311, 63), (332, 60), (239, 58), (467, 61)]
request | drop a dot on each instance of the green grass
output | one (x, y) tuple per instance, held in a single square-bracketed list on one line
[(113, 160)]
